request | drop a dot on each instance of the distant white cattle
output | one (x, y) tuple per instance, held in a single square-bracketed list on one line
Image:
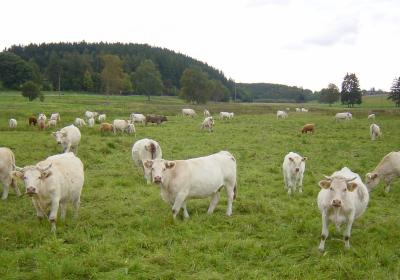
[(208, 123), (342, 199), (206, 113), (53, 183), (12, 123), (55, 116), (387, 170), (79, 122), (343, 116), (293, 171), (131, 129), (304, 110), (145, 149), (7, 165), (287, 109), (89, 114), (298, 110), (188, 112), (226, 115), (200, 177), (120, 125), (42, 117), (90, 122), (371, 117), (52, 123), (69, 138), (41, 121), (374, 131), (102, 118), (138, 118), (281, 115)]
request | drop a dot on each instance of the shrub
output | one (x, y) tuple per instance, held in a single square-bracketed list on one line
[(30, 90)]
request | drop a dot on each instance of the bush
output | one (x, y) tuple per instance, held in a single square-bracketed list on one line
[(30, 90), (41, 97)]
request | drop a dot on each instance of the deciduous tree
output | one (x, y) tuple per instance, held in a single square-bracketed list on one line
[(195, 85), (329, 95), (394, 94), (112, 76), (30, 90), (147, 79), (351, 92)]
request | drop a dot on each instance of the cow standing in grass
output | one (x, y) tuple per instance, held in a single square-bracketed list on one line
[(387, 170), (293, 171), (69, 138), (146, 149), (7, 166)]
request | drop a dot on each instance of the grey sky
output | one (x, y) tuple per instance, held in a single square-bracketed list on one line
[(308, 43)]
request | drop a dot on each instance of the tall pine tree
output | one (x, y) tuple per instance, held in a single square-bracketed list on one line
[(351, 92), (394, 94)]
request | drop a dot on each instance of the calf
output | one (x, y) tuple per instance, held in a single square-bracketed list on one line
[(293, 171), (208, 123), (7, 166), (387, 170), (106, 127), (145, 149), (342, 199), (188, 112), (69, 138), (310, 127), (200, 177), (53, 183), (32, 120), (12, 123), (155, 119), (374, 131)]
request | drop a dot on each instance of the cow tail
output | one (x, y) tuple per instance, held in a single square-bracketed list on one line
[(152, 150), (234, 191)]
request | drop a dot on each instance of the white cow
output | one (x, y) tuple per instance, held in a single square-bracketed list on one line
[(188, 112), (374, 131), (90, 122), (52, 123), (12, 123), (7, 166), (287, 109), (371, 117), (146, 149), (208, 123), (79, 122), (293, 171), (298, 110), (131, 129), (281, 115), (138, 118), (387, 170), (102, 118), (206, 113), (53, 183), (342, 199), (41, 121), (200, 177), (120, 125), (55, 116), (69, 138), (226, 115), (304, 110), (42, 117), (89, 114), (343, 116)]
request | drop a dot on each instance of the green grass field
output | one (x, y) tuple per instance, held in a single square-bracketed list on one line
[(125, 230)]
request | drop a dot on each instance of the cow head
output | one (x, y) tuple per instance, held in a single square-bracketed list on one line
[(371, 180), (338, 189), (296, 162), (158, 168), (33, 177), (59, 136)]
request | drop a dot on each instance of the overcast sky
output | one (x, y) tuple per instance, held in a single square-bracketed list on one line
[(308, 43)]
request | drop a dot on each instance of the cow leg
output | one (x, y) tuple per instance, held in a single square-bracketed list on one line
[(76, 203), (179, 200), (230, 192), (147, 174), (387, 185), (15, 187), (301, 184), (347, 230), (63, 210), (68, 148), (325, 230), (214, 202), (53, 214), (185, 211), (5, 191)]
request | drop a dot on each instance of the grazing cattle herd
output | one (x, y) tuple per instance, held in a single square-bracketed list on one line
[(58, 180)]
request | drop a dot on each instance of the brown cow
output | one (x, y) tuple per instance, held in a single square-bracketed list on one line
[(310, 127), (155, 119), (106, 127), (41, 124), (32, 120)]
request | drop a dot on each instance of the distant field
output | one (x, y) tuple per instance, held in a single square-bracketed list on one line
[(125, 230)]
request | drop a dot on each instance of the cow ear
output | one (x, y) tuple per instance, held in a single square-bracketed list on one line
[(374, 176), (291, 159), (18, 174), (304, 159), (324, 184), (148, 163), (351, 186), (170, 164), (45, 174)]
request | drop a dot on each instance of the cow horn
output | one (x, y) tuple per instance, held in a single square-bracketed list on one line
[(328, 177), (45, 168), (18, 168), (349, 180)]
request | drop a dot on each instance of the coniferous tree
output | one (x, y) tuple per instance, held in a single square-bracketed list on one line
[(394, 94), (14, 71), (351, 92)]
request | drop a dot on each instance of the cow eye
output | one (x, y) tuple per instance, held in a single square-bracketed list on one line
[(25, 178), (164, 169), (344, 190), (331, 189)]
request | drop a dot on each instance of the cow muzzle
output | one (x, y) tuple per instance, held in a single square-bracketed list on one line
[(59, 142), (157, 180), (336, 203), (297, 169), (31, 191)]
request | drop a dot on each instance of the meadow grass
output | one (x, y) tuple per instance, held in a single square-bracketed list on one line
[(125, 230)]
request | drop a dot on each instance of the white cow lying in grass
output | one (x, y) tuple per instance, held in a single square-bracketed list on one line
[(7, 165), (53, 183), (200, 177), (342, 199), (69, 138), (387, 170), (293, 172), (145, 149)]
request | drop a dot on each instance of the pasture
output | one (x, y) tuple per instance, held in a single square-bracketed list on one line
[(125, 230)]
